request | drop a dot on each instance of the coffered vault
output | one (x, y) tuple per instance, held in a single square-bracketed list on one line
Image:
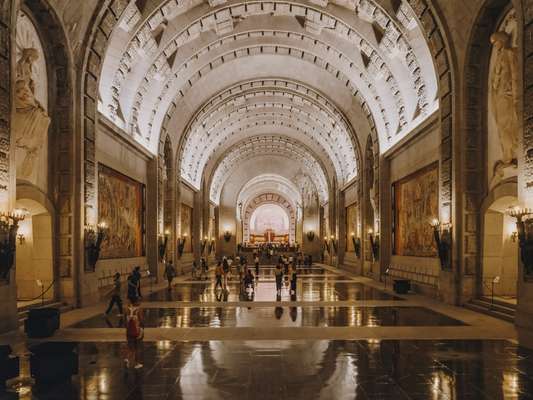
[(166, 52)]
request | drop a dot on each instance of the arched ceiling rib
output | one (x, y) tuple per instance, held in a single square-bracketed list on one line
[(377, 50), (270, 183), (268, 145)]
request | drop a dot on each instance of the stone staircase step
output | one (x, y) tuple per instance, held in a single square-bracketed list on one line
[(485, 309)]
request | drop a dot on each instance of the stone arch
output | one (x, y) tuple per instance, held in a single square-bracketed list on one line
[(269, 198), (33, 194), (474, 142)]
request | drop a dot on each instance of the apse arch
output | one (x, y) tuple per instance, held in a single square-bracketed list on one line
[(254, 204), (263, 145)]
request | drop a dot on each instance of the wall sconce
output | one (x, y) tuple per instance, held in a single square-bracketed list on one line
[(356, 245), (227, 236), (374, 244), (326, 244), (9, 224), (162, 245), (93, 243), (181, 244), (311, 235), (204, 244), (211, 246), (443, 238), (524, 225), (21, 238), (334, 243), (514, 236)]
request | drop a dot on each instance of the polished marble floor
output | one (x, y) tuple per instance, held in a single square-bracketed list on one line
[(235, 317), (339, 337), (307, 290), (307, 370)]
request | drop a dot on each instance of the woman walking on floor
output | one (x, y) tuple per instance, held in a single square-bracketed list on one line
[(134, 333)]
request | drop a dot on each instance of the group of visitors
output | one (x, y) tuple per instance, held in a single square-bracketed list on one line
[(204, 269), (244, 272), (285, 269)]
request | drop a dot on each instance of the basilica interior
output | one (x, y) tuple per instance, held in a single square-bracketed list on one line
[(380, 152)]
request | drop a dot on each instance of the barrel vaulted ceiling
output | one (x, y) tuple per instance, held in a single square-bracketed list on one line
[(276, 69)]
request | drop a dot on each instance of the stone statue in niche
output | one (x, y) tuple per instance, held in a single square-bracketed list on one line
[(30, 121), (504, 98)]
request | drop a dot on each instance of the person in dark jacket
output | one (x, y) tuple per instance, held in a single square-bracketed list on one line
[(115, 296)]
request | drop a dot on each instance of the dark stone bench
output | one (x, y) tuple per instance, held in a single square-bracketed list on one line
[(42, 322), (53, 362), (402, 286), (9, 365)]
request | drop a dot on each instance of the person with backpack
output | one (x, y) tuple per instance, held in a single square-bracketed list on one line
[(170, 273), (115, 296), (134, 333)]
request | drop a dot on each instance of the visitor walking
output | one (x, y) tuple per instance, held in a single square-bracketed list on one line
[(133, 286), (170, 273), (204, 269), (249, 281), (194, 270), (293, 281), (256, 261), (137, 275), (226, 268), (134, 333), (218, 275), (115, 296), (279, 278)]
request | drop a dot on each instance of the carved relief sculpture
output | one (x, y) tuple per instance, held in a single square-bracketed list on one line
[(504, 98), (30, 121)]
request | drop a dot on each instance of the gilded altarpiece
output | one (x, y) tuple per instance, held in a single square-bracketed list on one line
[(415, 205)]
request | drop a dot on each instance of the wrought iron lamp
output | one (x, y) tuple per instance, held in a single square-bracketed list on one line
[(204, 244), (9, 224), (326, 244), (311, 235), (356, 245), (524, 226), (442, 233), (162, 245), (374, 244), (94, 236), (211, 246), (334, 243), (181, 244)]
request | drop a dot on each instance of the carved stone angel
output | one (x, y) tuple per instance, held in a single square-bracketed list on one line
[(30, 121), (504, 99)]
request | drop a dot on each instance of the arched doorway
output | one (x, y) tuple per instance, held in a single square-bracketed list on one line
[(35, 275), (499, 264)]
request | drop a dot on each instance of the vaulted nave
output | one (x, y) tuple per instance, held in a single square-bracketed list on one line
[(212, 199)]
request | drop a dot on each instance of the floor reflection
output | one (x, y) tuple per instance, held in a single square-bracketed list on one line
[(307, 290), (300, 370), (259, 317)]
